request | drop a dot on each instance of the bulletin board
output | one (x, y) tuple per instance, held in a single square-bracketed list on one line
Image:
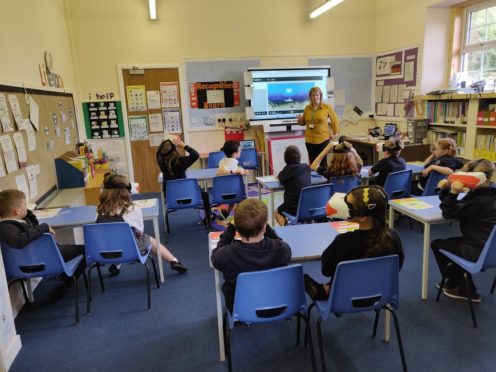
[(396, 77), (216, 71), (352, 80), (56, 134)]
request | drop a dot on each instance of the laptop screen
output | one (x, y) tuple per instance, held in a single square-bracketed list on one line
[(389, 129)]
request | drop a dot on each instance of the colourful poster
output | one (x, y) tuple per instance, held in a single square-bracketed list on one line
[(214, 94)]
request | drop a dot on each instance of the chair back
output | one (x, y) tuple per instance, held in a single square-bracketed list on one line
[(183, 193), (313, 201), (229, 189), (269, 295), (345, 183), (39, 258), (108, 243), (488, 254), (249, 158), (364, 285), (430, 187), (214, 158), (398, 184)]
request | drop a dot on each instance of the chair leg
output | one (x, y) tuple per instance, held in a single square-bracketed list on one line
[(148, 286), (321, 345), (76, 292), (24, 292), (308, 332), (298, 329), (227, 342), (493, 286), (85, 278), (398, 337), (167, 222), (443, 279), (88, 293), (154, 270), (100, 277), (309, 317), (466, 276), (376, 322)]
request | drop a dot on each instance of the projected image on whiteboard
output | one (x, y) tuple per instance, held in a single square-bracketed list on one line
[(288, 97)]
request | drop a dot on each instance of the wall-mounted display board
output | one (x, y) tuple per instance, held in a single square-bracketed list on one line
[(396, 76), (103, 119), (36, 127), (218, 82)]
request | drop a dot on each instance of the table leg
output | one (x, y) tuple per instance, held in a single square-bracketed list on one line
[(156, 231), (425, 260), (391, 217), (387, 316), (272, 207), (218, 300), (162, 202), (259, 191)]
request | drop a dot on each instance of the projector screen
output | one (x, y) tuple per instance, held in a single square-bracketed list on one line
[(281, 94)]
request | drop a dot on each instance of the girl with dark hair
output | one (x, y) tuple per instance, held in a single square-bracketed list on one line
[(345, 161), (392, 161), (367, 207)]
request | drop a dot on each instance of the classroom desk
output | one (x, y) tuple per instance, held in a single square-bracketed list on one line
[(297, 236), (364, 172), (428, 217), (78, 216), (413, 152), (272, 184)]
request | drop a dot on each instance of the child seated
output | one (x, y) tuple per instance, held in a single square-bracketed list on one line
[(442, 160), (345, 161), (392, 161), (116, 205), (367, 207), (229, 165), (19, 227), (294, 177), (259, 248), (476, 212)]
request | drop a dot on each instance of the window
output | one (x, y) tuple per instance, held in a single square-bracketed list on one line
[(479, 47)]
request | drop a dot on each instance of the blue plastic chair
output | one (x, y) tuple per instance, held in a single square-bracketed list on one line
[(214, 158), (249, 159), (369, 284), (487, 259), (345, 183), (399, 184), (268, 296), (430, 187), (312, 203), (40, 258), (183, 194), (114, 243), (229, 189)]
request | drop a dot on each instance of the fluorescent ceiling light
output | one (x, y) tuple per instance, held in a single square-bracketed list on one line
[(153, 9), (325, 7)]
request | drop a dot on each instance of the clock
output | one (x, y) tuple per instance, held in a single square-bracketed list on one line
[(49, 61)]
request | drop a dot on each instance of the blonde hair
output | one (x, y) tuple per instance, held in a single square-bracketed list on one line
[(480, 165), (113, 198), (313, 90), (10, 199), (447, 144)]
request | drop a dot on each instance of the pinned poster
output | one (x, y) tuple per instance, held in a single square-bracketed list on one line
[(34, 113), (22, 185), (2, 168), (4, 115), (16, 110), (137, 128), (31, 138), (169, 93), (8, 153), (153, 97), (172, 121), (33, 182), (155, 121), (21, 149), (136, 98), (67, 136)]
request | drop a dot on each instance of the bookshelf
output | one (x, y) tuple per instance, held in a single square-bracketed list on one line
[(470, 119)]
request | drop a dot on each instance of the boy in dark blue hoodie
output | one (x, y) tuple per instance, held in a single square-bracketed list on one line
[(294, 176)]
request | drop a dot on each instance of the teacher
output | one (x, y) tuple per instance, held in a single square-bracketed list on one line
[(315, 119)]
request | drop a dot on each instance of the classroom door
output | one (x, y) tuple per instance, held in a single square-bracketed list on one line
[(153, 105)]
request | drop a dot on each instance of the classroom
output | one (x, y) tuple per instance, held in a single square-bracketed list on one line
[(119, 77)]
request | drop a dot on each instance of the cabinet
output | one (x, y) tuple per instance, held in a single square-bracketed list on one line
[(469, 119)]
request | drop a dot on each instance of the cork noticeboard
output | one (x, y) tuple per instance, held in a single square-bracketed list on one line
[(56, 134)]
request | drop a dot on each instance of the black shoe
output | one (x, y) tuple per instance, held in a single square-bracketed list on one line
[(114, 270), (224, 213), (315, 290), (459, 293), (178, 266), (447, 285)]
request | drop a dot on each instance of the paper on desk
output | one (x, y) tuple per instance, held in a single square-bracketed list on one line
[(145, 203), (46, 213), (267, 179), (344, 226), (413, 203)]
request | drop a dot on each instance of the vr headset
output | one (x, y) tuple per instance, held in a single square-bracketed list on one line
[(172, 148), (469, 179), (339, 207), (111, 183)]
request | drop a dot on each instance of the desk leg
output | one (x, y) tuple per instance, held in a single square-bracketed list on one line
[(218, 300), (272, 207), (387, 315), (156, 231), (391, 217), (259, 191), (162, 202), (425, 260)]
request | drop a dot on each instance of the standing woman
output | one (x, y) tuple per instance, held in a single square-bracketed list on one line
[(315, 119)]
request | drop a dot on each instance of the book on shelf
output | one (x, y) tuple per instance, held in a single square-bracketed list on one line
[(447, 113)]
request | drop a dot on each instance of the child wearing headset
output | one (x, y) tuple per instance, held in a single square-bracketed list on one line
[(367, 207), (345, 160), (116, 205), (392, 161), (173, 166), (476, 212)]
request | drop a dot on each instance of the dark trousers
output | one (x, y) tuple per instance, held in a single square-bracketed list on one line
[(314, 151), (70, 251), (458, 247)]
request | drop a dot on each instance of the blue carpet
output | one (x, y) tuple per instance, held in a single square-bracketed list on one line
[(179, 333)]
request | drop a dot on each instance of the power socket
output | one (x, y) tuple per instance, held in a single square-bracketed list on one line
[(229, 119)]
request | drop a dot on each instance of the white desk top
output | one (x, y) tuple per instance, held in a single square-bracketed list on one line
[(415, 168), (199, 174), (430, 215), (272, 183)]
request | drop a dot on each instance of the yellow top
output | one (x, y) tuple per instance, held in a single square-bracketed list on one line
[(316, 127)]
